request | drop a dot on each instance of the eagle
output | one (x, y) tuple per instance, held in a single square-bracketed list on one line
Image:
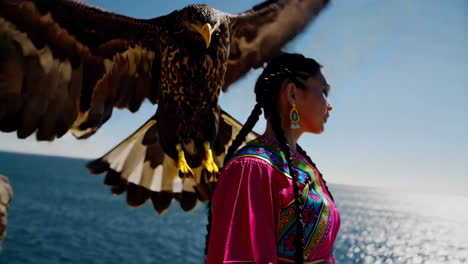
[(64, 66)]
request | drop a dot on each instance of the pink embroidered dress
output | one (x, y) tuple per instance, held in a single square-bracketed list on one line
[(253, 210)]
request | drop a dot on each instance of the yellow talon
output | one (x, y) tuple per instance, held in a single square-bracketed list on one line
[(182, 163), (213, 178), (209, 162)]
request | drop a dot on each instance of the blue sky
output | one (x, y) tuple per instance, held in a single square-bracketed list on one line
[(399, 76)]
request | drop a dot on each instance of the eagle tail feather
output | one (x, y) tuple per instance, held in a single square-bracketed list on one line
[(139, 167)]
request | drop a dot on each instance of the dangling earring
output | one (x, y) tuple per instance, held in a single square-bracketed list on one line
[(294, 117)]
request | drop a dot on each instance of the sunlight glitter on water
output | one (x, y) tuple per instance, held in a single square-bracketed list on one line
[(395, 227)]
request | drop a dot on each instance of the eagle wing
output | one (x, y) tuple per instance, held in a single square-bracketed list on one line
[(64, 65), (139, 167), (260, 33)]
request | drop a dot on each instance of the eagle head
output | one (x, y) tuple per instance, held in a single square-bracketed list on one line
[(199, 22)]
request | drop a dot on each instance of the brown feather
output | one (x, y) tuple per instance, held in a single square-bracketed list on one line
[(154, 154), (98, 166), (34, 107), (161, 201), (151, 136), (11, 80), (112, 178), (10, 106), (188, 201), (137, 195), (115, 182), (60, 76), (139, 94)]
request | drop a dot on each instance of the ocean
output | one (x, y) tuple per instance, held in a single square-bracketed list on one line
[(62, 214)]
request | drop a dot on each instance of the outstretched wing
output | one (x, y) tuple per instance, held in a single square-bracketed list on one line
[(65, 65), (260, 33), (139, 166)]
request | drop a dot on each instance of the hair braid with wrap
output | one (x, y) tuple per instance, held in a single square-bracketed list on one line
[(285, 66)]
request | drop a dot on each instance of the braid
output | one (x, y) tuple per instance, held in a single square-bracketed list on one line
[(304, 153), (249, 124), (267, 90), (298, 201)]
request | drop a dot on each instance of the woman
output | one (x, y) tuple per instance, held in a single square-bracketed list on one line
[(271, 204)]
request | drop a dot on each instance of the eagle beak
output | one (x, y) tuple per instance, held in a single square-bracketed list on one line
[(206, 31)]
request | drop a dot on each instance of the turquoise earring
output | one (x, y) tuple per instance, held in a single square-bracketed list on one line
[(294, 117)]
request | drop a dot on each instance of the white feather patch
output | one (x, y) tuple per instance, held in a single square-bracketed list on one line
[(170, 178)]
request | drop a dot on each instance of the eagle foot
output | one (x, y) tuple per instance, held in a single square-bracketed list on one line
[(182, 165), (183, 175), (209, 177), (210, 166)]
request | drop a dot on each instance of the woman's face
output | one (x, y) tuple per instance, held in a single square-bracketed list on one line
[(312, 103)]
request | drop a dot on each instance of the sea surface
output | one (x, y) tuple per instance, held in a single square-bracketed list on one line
[(62, 214)]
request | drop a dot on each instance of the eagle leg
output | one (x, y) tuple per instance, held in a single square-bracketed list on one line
[(209, 164), (182, 165)]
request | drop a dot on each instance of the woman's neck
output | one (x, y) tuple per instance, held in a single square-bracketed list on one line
[(291, 135)]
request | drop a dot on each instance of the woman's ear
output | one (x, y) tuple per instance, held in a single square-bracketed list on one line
[(291, 93)]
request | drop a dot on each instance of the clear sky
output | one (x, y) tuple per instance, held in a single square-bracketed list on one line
[(399, 76)]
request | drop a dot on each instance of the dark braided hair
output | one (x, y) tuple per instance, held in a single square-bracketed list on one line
[(304, 153), (293, 67), (279, 133), (246, 128)]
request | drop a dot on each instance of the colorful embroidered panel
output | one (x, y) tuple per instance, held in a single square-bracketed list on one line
[(316, 213)]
